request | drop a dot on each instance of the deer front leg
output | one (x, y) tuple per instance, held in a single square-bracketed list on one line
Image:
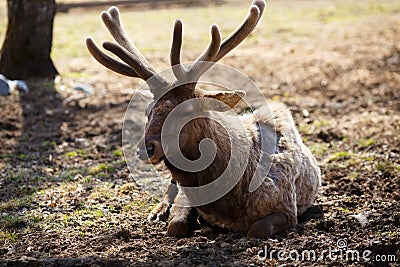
[(161, 211), (184, 220), (274, 223)]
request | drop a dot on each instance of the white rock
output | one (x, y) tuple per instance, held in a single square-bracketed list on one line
[(362, 218)]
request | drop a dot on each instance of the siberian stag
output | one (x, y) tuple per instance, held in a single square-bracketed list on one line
[(259, 203)]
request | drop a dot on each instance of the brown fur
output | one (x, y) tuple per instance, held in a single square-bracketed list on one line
[(291, 189), (294, 177)]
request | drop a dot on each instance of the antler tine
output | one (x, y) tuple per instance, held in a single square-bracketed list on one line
[(127, 51), (156, 83), (175, 55), (197, 68), (111, 19), (108, 61), (260, 4), (243, 31), (215, 50), (129, 59)]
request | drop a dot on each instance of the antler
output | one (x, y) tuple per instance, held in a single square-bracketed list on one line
[(136, 64), (196, 67), (215, 50), (175, 55)]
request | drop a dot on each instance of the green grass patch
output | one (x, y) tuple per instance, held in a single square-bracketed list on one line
[(80, 219), (71, 173), (11, 222), (340, 155), (305, 129), (101, 194), (367, 158), (344, 210), (397, 167), (100, 168), (71, 154), (6, 156), (74, 154), (16, 203), (8, 236), (386, 166), (88, 179), (353, 175), (318, 149), (320, 123), (21, 174), (118, 153), (366, 142), (48, 143), (22, 156), (393, 234)]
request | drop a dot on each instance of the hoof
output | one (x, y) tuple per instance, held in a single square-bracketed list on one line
[(179, 228)]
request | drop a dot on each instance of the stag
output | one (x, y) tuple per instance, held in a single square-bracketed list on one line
[(292, 179)]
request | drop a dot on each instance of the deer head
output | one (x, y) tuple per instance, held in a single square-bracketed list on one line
[(169, 95)]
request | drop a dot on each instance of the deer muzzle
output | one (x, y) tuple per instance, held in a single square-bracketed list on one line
[(149, 150)]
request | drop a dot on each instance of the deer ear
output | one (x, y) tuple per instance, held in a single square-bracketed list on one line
[(230, 98)]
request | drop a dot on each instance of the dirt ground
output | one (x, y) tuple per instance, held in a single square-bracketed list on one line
[(68, 199)]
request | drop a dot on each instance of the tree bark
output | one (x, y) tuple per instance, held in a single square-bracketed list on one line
[(27, 45)]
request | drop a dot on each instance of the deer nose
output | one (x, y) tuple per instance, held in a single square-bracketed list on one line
[(147, 149), (150, 150)]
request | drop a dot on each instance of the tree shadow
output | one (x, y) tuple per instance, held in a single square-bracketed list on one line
[(43, 114), (38, 129)]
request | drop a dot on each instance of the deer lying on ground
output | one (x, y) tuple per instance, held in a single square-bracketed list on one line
[(293, 179)]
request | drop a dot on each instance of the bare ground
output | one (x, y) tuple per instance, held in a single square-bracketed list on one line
[(68, 199)]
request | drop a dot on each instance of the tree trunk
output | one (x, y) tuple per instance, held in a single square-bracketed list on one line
[(27, 45)]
